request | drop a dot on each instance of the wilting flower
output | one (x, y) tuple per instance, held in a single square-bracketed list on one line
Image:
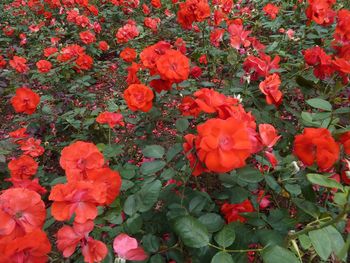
[(270, 88), (127, 248)]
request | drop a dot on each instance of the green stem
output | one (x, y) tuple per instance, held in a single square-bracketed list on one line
[(109, 136), (236, 250)]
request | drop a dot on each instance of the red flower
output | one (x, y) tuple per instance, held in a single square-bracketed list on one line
[(128, 54), (271, 10), (44, 66), (189, 107), (19, 64), (320, 11), (223, 145), (103, 45), (68, 238), (150, 55), (25, 100), (23, 167), (320, 60), (316, 145), (342, 31), (79, 197), (216, 36), (110, 118), (232, 212), (342, 65), (268, 135), (139, 97), (127, 32), (19, 134), (2, 62), (152, 23), (345, 141), (50, 51), (79, 158), (238, 36), (173, 66), (94, 250), (159, 85), (84, 62), (87, 37), (32, 247), (31, 147), (132, 74), (260, 66), (110, 178), (269, 87), (192, 11), (21, 211)]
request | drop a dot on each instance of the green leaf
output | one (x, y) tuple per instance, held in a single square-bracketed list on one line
[(59, 180), (307, 206), (249, 175), (153, 151), (321, 242), (305, 241), (148, 168), (150, 243), (319, 103), (212, 221), (322, 180), (277, 254), (337, 241), (130, 205), (226, 236), (191, 232), (182, 124), (222, 257), (148, 195)]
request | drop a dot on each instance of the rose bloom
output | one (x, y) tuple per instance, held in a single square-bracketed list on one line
[(84, 62), (50, 51), (31, 147), (316, 145), (223, 145), (44, 66), (19, 64), (103, 46), (110, 118), (25, 100), (139, 97), (32, 247), (128, 54), (173, 66), (79, 158), (270, 88), (23, 167), (271, 10), (87, 37), (21, 211)]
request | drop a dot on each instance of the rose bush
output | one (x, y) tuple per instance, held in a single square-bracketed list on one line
[(174, 131)]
